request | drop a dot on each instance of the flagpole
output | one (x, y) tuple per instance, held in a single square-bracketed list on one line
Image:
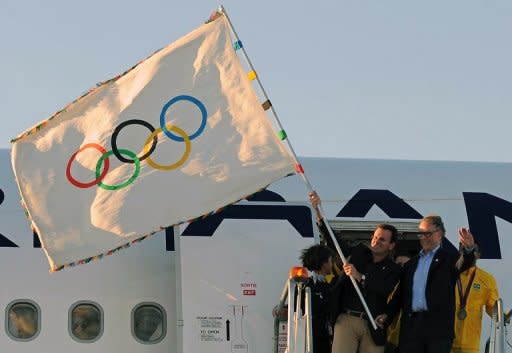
[(300, 169)]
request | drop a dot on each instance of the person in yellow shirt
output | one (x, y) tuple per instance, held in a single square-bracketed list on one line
[(394, 328), (475, 288)]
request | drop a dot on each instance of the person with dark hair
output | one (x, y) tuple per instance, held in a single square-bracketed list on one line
[(376, 276), (318, 260), (426, 293), (475, 289)]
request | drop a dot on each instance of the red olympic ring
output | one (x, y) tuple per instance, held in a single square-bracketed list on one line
[(95, 181)]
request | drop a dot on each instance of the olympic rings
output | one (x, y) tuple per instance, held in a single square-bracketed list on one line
[(99, 177), (149, 147), (183, 158), (183, 98), (126, 183), (113, 141)]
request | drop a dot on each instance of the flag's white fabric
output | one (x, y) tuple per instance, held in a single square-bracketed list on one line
[(219, 146)]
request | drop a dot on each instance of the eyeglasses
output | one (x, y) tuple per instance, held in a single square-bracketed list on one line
[(426, 234)]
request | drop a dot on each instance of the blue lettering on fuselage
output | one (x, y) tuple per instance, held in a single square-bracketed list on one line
[(36, 243), (169, 239), (481, 208), (298, 216), (4, 242), (361, 203), (481, 211)]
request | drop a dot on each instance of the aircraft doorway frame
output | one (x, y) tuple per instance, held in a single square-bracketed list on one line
[(354, 232)]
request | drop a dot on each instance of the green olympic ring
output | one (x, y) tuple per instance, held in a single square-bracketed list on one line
[(127, 182)]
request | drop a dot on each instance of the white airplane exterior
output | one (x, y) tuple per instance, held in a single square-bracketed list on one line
[(210, 286)]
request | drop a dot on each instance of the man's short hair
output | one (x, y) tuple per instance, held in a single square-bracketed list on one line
[(436, 221), (392, 229), (315, 256)]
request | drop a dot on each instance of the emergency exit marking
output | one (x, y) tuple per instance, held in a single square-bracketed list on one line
[(248, 288)]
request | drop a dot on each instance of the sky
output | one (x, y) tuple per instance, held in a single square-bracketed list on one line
[(358, 79)]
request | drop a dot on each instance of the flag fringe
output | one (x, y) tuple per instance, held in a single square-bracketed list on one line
[(38, 127), (141, 238)]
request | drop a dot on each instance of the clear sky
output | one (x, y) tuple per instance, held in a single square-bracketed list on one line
[(361, 79)]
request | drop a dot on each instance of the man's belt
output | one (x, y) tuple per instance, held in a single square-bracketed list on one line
[(359, 314), (421, 313)]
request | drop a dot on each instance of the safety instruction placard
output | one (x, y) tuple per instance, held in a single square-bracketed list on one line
[(210, 328)]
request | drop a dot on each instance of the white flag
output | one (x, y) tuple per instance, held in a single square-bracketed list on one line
[(178, 136)]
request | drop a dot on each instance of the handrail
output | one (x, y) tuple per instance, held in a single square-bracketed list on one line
[(277, 315), (309, 323), (295, 289), (497, 334), (297, 314)]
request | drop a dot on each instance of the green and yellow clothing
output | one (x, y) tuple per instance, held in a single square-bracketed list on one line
[(483, 292)]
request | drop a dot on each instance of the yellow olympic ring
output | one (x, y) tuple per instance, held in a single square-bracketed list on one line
[(180, 132)]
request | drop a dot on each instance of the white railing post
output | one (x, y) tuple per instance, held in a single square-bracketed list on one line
[(497, 336)]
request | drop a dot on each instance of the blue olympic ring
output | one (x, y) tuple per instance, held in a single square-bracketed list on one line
[(191, 99)]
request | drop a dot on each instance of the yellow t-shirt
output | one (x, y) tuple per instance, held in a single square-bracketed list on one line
[(394, 327), (394, 330), (483, 292)]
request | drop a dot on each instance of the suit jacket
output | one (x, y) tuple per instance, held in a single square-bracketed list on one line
[(438, 321)]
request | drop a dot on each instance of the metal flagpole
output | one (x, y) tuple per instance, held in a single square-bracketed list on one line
[(300, 170)]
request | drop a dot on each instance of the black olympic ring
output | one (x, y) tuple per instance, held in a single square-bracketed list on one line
[(113, 141)]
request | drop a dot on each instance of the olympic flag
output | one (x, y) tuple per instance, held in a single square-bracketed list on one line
[(177, 136)]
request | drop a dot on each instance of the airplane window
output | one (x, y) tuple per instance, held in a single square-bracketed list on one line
[(148, 323), (23, 320), (86, 322)]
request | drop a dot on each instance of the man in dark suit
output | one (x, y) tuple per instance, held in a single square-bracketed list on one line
[(426, 292), (376, 275)]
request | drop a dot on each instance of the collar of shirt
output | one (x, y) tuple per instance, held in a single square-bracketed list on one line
[(430, 253), (384, 260), (317, 277)]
